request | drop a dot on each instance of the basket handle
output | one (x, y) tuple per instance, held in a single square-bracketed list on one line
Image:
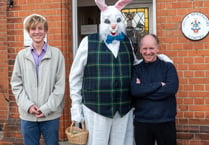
[(82, 126), (71, 126)]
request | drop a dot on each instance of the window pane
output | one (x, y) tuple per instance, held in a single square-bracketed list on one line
[(137, 23)]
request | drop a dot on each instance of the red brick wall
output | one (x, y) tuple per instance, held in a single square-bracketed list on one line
[(4, 83), (192, 62)]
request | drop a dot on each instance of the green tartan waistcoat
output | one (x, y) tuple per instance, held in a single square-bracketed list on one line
[(106, 81)]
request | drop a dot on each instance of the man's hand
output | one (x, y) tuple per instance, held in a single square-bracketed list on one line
[(163, 84), (35, 111), (138, 81), (41, 115)]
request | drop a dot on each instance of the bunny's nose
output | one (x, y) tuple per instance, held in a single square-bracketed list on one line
[(113, 26)]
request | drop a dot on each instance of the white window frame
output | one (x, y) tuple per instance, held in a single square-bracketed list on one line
[(75, 26)]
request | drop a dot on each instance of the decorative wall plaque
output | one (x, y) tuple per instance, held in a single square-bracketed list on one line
[(195, 26)]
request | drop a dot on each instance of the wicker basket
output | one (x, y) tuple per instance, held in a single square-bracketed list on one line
[(77, 135)]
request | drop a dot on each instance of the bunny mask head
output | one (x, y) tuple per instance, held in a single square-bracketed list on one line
[(111, 18)]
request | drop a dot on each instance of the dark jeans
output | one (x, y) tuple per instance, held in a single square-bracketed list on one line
[(148, 133), (32, 132)]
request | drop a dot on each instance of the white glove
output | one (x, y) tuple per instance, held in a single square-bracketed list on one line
[(164, 58), (77, 113)]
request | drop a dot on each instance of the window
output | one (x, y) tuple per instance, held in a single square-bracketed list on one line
[(139, 18), (137, 23)]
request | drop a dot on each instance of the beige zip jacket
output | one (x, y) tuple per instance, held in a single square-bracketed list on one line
[(47, 92)]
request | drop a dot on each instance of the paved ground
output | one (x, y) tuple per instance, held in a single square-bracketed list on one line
[(61, 143), (65, 143)]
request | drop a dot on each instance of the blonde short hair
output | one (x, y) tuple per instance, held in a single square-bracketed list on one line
[(34, 20)]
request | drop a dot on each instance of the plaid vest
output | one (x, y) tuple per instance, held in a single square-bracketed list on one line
[(106, 80)]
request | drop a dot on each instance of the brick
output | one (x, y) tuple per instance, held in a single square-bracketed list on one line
[(204, 129), (188, 114), (188, 128), (186, 136), (202, 136)]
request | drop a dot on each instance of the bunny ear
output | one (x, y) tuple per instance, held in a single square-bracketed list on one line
[(101, 4), (122, 3)]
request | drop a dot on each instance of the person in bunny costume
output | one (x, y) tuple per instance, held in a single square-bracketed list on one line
[(100, 80)]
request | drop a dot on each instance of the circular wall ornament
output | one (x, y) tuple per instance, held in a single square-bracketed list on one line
[(195, 26)]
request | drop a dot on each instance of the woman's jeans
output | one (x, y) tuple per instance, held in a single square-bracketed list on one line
[(32, 131)]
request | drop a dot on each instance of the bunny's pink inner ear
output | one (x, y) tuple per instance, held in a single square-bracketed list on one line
[(121, 4), (101, 4)]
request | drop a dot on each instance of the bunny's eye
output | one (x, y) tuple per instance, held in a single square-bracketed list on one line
[(118, 20), (107, 21)]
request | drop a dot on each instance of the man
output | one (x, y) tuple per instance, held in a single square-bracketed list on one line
[(154, 85), (38, 84)]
